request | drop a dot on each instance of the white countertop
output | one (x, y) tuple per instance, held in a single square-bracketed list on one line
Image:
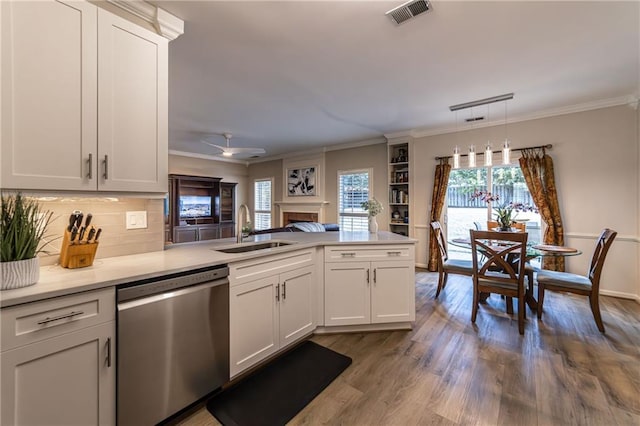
[(57, 281)]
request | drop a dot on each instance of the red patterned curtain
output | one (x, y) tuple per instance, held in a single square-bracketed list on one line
[(537, 168), (440, 183)]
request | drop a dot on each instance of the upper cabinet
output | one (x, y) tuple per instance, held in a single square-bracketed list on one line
[(84, 100)]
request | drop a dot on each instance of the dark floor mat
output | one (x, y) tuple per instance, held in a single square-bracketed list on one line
[(276, 393)]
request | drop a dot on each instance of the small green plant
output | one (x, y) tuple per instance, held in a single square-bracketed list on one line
[(373, 206), (22, 226)]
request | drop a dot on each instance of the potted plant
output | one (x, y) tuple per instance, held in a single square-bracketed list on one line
[(22, 227), (505, 213), (374, 207)]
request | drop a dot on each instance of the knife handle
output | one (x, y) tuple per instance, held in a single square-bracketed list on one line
[(95, 240), (72, 221), (92, 233), (87, 220), (74, 232), (81, 233)]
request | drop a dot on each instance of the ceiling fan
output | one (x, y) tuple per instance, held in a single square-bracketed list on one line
[(228, 151)]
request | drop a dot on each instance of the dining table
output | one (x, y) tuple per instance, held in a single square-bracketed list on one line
[(533, 251)]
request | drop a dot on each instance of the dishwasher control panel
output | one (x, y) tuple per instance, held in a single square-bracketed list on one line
[(163, 284)]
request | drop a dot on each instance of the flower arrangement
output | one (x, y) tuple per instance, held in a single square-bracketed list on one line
[(505, 212), (373, 206)]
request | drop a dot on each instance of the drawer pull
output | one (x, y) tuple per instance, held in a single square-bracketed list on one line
[(351, 254), (278, 292), (368, 276), (394, 253), (60, 317), (284, 290), (375, 279)]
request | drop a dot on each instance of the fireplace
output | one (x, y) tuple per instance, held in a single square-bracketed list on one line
[(292, 217)]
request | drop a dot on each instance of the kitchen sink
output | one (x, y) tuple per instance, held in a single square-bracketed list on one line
[(243, 248)]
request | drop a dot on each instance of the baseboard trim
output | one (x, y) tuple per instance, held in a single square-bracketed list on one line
[(363, 327), (620, 295)]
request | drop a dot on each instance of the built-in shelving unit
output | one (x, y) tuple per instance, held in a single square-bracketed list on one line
[(200, 208), (399, 188)]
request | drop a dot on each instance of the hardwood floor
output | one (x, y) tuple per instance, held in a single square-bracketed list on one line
[(447, 371)]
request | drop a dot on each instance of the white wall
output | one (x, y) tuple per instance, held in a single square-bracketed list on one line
[(597, 161)]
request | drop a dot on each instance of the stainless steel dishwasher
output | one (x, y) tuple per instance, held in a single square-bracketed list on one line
[(173, 343)]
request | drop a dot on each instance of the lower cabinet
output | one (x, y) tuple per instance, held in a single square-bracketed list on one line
[(191, 233), (269, 313), (360, 292), (66, 379)]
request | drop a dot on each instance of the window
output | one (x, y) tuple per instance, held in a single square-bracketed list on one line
[(463, 213), (353, 189), (262, 203)]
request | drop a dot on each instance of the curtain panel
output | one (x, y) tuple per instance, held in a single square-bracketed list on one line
[(440, 183), (537, 168)]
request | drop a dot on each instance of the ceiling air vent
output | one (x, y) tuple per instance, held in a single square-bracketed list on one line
[(408, 10)]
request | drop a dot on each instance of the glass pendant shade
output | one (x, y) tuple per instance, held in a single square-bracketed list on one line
[(472, 156), (488, 155), (456, 158), (506, 152)]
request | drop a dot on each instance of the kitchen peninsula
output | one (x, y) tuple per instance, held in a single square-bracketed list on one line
[(322, 282)]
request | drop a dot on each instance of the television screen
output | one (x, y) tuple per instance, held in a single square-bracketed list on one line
[(195, 206)]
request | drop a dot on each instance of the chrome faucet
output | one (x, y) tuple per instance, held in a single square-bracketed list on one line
[(239, 223)]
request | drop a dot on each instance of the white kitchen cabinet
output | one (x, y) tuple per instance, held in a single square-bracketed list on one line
[(57, 367), (132, 107), (270, 310), (84, 100), (359, 289)]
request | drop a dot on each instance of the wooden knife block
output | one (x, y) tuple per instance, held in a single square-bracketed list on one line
[(76, 254)]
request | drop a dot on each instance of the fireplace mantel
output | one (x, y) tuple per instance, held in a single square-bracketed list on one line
[(316, 207)]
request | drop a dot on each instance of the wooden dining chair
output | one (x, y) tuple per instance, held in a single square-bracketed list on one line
[(520, 226), (446, 265), (588, 285), (503, 269), (492, 225)]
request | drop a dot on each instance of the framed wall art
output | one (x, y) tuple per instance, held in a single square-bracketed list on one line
[(301, 181)]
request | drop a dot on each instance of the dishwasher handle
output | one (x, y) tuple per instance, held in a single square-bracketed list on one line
[(173, 293)]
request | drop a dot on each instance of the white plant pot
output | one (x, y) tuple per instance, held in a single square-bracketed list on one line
[(20, 273), (373, 224)]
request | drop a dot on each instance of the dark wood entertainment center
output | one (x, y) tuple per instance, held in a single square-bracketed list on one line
[(218, 223)]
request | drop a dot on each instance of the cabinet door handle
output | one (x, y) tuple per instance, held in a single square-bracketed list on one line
[(108, 344), (60, 317), (278, 292), (394, 253), (351, 254), (374, 275), (106, 167), (90, 174), (284, 290), (367, 276)]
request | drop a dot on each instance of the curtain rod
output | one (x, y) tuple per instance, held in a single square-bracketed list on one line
[(548, 146)]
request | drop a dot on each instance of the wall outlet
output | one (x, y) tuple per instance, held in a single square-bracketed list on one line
[(137, 220)]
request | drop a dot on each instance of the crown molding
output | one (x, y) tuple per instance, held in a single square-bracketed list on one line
[(630, 100), (166, 24), (207, 157), (320, 150)]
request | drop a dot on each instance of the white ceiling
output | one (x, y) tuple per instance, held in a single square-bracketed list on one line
[(297, 75)]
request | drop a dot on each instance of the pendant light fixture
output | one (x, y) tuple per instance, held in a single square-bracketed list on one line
[(488, 155), (472, 156), (488, 152), (506, 150), (456, 151)]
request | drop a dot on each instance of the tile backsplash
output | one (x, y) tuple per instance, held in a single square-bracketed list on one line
[(109, 213)]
